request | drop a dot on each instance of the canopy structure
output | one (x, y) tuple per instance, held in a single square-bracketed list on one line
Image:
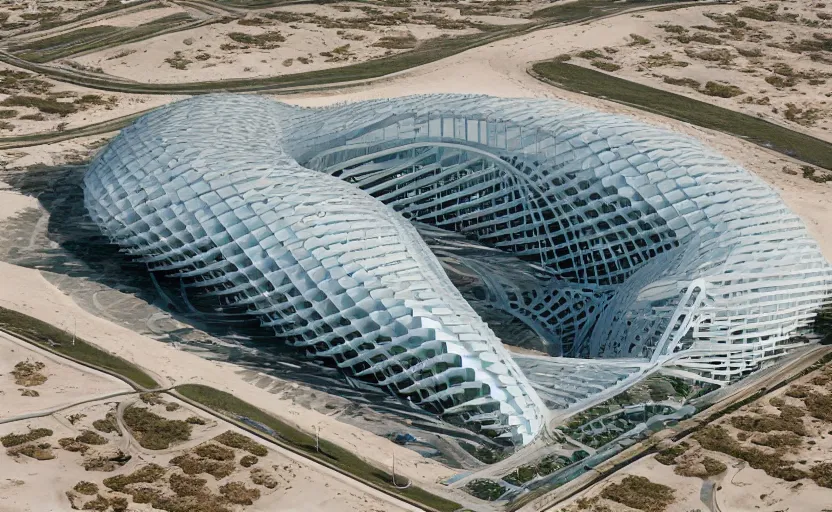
[(636, 243)]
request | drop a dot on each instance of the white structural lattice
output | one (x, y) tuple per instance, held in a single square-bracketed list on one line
[(646, 245)]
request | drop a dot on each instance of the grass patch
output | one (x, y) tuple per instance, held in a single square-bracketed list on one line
[(639, 492), (684, 82), (10, 440), (108, 425), (668, 455), (90, 437), (60, 341), (44, 105), (778, 138), (704, 468), (717, 439), (303, 442), (239, 494), (153, 431), (40, 451), (397, 42), (184, 485), (663, 59), (265, 41), (262, 477)]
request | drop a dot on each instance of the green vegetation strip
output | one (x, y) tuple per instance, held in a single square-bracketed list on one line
[(95, 38), (62, 343), (601, 85), (298, 441)]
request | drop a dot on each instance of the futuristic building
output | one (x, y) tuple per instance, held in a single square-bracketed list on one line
[(618, 239)]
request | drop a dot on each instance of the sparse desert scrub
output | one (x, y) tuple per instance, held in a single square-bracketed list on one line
[(707, 466), (145, 474), (184, 485), (235, 440), (403, 42), (87, 488), (288, 62), (819, 406), (153, 431), (107, 425), (239, 494), (721, 55), (668, 456), (591, 54), (262, 477), (781, 82), (195, 420), (721, 90), (672, 29), (28, 373), (822, 474), (248, 460), (684, 82), (264, 41), (638, 40), (777, 441), (194, 465), (90, 437), (662, 59), (801, 116), (10, 440), (750, 52), (639, 492), (39, 451), (767, 423), (71, 445), (716, 438), (699, 37), (178, 61), (8, 114), (214, 451), (605, 66)]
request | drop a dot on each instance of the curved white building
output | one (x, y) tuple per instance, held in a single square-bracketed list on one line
[(645, 244)]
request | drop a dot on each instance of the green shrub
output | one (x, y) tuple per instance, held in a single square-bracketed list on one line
[(721, 90), (87, 488), (153, 431), (267, 40), (90, 437), (10, 440), (638, 40), (214, 451), (591, 54), (485, 489), (685, 82), (639, 492), (235, 440), (605, 66), (145, 474), (45, 105)]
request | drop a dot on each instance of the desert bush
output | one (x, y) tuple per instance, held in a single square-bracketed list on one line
[(27, 373), (822, 474), (798, 391), (819, 406), (184, 485), (87, 488), (777, 402), (591, 54), (685, 82), (704, 468), (662, 59), (721, 90), (40, 451), (672, 29), (786, 439), (239, 494), (108, 425), (699, 37), (263, 477), (71, 445), (10, 440), (750, 52), (287, 62), (145, 474), (90, 437), (639, 492), (716, 438), (178, 61), (605, 66), (803, 117), (267, 40), (33, 117), (195, 420), (781, 82), (193, 465), (721, 55), (153, 431), (248, 460), (242, 442), (8, 114), (668, 456), (637, 40), (214, 451), (396, 42), (768, 423)]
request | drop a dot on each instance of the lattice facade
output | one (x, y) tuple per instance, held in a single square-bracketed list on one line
[(644, 243)]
